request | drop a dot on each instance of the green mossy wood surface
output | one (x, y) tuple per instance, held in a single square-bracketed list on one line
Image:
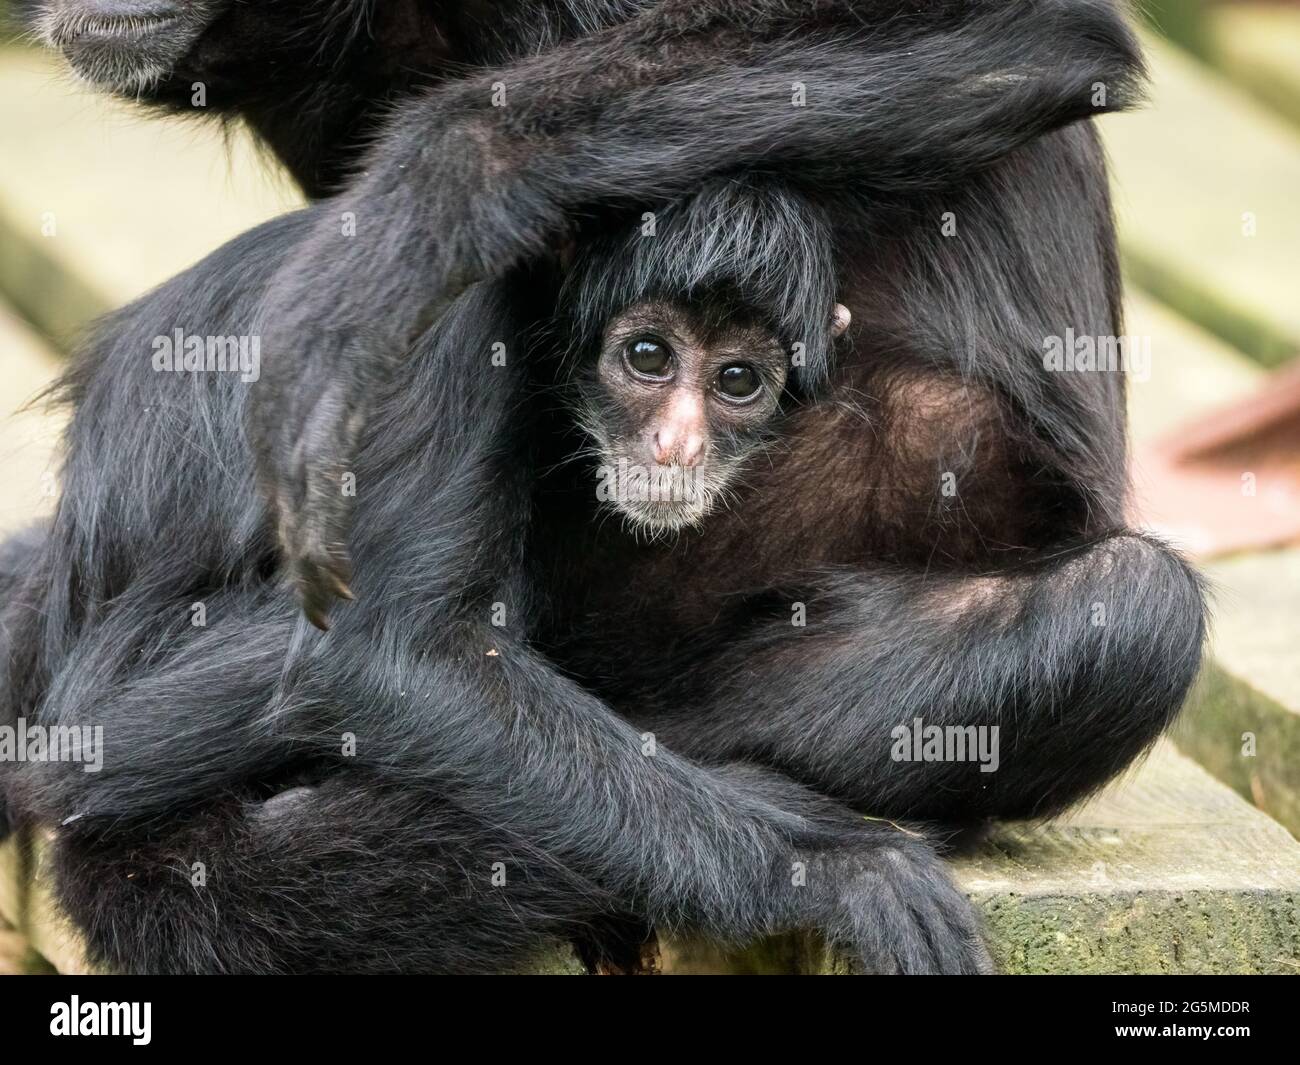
[(1243, 719), (1167, 871)]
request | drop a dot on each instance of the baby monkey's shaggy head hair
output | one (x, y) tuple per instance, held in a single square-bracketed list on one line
[(742, 245)]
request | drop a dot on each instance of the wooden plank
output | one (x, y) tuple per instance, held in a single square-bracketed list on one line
[(1242, 721), (1205, 188), (1192, 371), (106, 204), (1167, 871), (27, 906), (28, 437), (1257, 45)]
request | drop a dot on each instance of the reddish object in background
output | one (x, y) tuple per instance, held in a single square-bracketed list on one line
[(1230, 480)]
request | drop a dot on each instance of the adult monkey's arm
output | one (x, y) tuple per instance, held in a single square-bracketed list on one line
[(856, 97)]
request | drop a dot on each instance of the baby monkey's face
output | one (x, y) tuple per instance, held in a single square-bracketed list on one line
[(679, 399)]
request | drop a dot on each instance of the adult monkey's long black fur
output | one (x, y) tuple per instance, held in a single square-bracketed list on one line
[(869, 97), (900, 97), (937, 323), (459, 724)]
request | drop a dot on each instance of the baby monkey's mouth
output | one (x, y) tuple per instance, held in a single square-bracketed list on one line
[(122, 46), (659, 499)]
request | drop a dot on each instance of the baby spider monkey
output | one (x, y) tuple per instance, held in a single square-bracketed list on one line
[(680, 395), (682, 348)]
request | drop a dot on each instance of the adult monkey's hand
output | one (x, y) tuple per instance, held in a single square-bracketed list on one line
[(847, 97)]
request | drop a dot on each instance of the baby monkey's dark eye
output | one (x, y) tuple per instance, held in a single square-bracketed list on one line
[(649, 356), (738, 381)]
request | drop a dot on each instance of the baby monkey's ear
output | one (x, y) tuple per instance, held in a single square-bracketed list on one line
[(840, 319)]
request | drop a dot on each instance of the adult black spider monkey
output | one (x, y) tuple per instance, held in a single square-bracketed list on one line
[(973, 609), (634, 102), (475, 758)]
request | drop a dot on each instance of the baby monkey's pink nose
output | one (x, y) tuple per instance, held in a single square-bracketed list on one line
[(680, 438), (675, 445)]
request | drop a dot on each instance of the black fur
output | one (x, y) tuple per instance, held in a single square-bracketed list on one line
[(604, 105), (459, 189), (515, 740), (533, 771)]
